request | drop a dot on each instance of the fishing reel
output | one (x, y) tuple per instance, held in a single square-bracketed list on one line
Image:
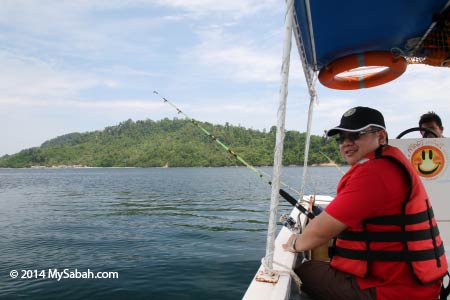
[(290, 223)]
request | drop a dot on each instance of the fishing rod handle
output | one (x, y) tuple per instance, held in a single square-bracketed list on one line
[(295, 203)]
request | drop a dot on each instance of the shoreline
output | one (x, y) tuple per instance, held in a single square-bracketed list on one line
[(87, 167)]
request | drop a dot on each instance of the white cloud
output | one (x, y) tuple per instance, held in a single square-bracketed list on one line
[(239, 56), (31, 77), (423, 85), (83, 30), (236, 8), (240, 62), (126, 104), (330, 107)]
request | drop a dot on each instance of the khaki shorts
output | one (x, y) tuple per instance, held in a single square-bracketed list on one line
[(322, 282)]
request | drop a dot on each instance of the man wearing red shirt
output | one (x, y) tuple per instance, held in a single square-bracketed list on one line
[(376, 255)]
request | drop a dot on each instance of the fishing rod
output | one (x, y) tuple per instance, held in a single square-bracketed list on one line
[(260, 174)]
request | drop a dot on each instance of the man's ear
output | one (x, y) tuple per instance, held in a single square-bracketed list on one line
[(382, 137)]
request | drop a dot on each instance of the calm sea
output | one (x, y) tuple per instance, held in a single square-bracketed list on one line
[(177, 233)]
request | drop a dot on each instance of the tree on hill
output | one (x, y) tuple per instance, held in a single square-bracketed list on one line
[(180, 143)]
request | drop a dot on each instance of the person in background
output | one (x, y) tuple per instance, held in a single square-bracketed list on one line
[(431, 121), (387, 242)]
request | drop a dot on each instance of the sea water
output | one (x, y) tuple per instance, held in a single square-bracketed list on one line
[(176, 233)]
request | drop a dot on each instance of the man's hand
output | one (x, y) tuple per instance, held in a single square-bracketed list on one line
[(290, 244)]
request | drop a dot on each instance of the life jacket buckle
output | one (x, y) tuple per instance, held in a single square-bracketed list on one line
[(445, 290)]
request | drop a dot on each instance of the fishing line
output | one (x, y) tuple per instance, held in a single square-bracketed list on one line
[(265, 177), (332, 162)]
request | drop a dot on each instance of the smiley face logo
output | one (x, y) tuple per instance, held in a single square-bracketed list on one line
[(428, 161)]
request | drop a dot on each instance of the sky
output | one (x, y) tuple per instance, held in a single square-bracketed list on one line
[(83, 65)]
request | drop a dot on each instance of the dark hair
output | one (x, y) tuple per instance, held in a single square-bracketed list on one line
[(430, 116)]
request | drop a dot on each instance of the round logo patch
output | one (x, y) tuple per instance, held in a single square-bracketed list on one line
[(349, 112), (428, 161)]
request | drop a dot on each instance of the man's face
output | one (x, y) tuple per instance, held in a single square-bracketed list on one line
[(354, 149), (433, 126)]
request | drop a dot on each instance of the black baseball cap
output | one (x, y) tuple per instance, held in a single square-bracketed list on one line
[(357, 119)]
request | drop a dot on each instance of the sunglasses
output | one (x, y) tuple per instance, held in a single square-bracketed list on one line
[(353, 136)]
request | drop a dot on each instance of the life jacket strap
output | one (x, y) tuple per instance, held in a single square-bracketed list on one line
[(392, 236), (374, 255), (402, 219)]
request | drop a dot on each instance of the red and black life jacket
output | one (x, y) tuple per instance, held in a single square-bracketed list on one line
[(412, 236)]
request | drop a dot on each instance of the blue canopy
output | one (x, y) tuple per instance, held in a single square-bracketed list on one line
[(330, 29)]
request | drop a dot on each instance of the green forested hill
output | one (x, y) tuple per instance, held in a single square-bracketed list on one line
[(176, 142)]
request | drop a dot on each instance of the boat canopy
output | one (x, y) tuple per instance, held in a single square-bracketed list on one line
[(330, 29)]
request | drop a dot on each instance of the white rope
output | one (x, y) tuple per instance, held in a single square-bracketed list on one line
[(308, 71), (311, 78), (278, 157), (288, 271), (307, 143)]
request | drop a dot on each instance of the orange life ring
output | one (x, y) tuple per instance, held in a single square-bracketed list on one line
[(395, 66)]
